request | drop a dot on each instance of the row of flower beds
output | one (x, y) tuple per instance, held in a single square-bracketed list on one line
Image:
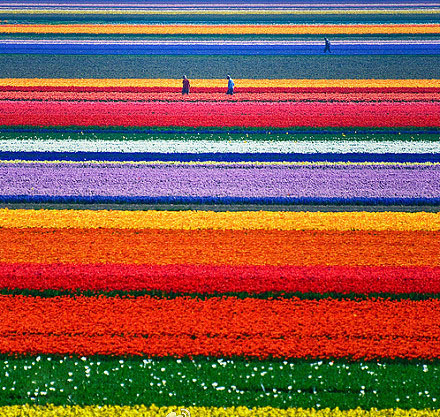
[(271, 253)]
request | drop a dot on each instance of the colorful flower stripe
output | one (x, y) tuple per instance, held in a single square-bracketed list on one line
[(143, 411), (204, 220), (220, 247), (103, 47), (215, 83), (135, 381), (13, 113), (219, 182), (220, 327), (208, 279), (218, 96), (207, 144), (225, 29)]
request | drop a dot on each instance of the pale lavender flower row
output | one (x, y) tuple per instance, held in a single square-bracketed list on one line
[(135, 180)]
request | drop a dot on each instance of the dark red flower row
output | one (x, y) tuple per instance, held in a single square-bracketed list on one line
[(222, 279)]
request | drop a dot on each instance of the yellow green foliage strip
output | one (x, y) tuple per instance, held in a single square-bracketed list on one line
[(214, 83), (230, 29), (153, 411), (202, 220)]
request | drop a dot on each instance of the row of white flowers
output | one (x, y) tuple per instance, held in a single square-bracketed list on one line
[(214, 146)]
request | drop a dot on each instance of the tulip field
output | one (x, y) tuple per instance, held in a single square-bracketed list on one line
[(275, 252)]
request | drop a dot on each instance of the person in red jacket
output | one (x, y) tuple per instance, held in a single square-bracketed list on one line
[(185, 88)]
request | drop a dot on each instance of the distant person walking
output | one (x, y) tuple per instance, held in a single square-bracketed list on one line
[(230, 85), (327, 46), (185, 87)]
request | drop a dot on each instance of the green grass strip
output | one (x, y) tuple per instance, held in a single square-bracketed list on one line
[(103, 380), (218, 207), (185, 135), (204, 296), (212, 37), (248, 18), (216, 66)]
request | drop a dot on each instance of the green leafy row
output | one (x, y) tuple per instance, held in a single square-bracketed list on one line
[(102, 380), (223, 135), (216, 66), (237, 37), (203, 296), (335, 18)]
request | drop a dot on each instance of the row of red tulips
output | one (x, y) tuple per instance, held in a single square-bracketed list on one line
[(222, 278), (273, 96), (226, 326), (251, 114)]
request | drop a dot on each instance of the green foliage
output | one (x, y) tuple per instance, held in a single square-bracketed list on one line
[(203, 296), (221, 135), (216, 66), (194, 18), (218, 382)]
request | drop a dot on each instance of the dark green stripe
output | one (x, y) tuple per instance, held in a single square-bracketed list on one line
[(218, 134), (203, 296), (245, 37), (297, 383), (218, 207), (270, 67), (250, 137), (373, 18)]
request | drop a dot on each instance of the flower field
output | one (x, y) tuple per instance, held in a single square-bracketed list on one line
[(275, 252)]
